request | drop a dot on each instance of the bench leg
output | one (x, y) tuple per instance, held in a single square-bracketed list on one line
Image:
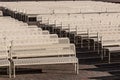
[(10, 71), (102, 54), (109, 57), (98, 49), (76, 68), (89, 44), (13, 70), (77, 72)]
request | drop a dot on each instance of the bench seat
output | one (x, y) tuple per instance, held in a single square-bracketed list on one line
[(47, 60)]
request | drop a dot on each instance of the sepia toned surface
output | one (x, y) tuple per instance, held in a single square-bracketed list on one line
[(101, 17)]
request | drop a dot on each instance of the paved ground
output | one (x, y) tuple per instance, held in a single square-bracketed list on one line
[(66, 72)]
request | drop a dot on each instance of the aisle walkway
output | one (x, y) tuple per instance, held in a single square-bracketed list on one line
[(63, 72)]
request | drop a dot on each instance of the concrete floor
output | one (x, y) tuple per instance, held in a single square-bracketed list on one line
[(65, 72)]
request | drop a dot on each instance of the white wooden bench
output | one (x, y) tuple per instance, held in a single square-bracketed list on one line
[(43, 54)]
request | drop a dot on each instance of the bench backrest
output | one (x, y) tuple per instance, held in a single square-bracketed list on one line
[(3, 50), (43, 50)]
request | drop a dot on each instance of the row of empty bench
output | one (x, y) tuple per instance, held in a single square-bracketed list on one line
[(25, 10), (50, 7), (22, 44), (107, 32)]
